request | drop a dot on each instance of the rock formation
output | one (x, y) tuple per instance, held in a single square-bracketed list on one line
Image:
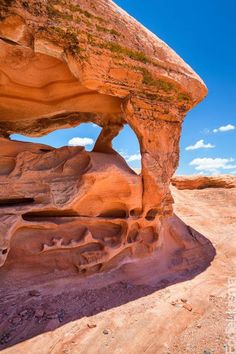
[(202, 182), (68, 62)]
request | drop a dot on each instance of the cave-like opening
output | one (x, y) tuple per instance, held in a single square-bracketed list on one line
[(86, 134)]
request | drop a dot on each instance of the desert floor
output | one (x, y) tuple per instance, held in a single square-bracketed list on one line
[(125, 312)]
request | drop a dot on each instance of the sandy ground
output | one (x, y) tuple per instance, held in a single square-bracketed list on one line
[(129, 313)]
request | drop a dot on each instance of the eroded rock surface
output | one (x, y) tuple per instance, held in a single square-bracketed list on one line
[(67, 62), (202, 182)]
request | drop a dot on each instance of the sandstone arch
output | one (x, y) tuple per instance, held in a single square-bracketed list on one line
[(67, 62)]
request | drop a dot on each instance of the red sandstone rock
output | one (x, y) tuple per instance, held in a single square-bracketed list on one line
[(70, 209), (128, 310), (202, 182), (188, 307), (64, 63)]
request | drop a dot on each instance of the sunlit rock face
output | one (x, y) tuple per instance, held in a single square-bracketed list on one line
[(67, 62), (202, 182)]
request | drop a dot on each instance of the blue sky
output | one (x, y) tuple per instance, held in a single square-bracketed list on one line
[(203, 33)]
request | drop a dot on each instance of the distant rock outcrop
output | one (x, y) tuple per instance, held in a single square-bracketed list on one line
[(202, 182), (68, 62)]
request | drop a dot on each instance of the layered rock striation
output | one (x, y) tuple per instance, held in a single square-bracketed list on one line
[(202, 182), (68, 62)]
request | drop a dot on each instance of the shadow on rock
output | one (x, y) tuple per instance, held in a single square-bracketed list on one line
[(28, 309)]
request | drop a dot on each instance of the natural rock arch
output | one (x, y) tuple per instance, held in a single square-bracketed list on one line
[(57, 70)]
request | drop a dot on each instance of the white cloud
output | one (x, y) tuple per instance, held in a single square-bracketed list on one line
[(206, 131), (199, 173), (200, 145), (212, 165), (80, 141), (135, 157), (130, 158), (224, 128), (124, 154)]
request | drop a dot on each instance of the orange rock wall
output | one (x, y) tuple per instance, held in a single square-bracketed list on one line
[(67, 62)]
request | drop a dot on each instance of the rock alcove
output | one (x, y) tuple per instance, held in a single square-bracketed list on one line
[(65, 63)]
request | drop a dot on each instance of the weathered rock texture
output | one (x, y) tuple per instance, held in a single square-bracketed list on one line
[(67, 62), (202, 182)]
